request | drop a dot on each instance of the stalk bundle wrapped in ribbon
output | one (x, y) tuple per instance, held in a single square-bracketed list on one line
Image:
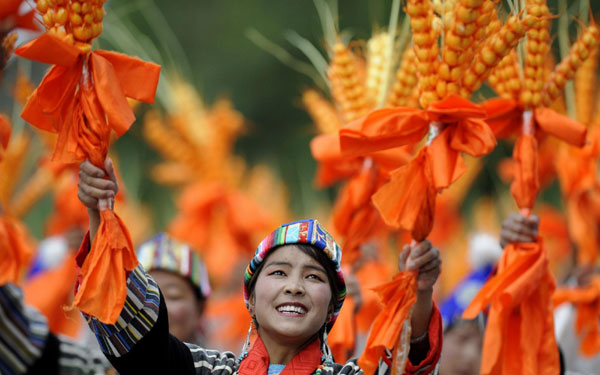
[(515, 303), (83, 98), (455, 125)]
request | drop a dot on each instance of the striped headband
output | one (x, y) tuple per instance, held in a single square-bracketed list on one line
[(309, 232), (162, 252)]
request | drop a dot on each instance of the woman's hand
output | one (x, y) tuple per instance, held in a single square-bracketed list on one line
[(94, 189), (518, 228), (424, 258)]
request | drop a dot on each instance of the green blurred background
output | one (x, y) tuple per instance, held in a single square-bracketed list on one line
[(205, 40)]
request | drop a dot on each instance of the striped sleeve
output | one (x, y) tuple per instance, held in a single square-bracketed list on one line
[(212, 362), (137, 318), (23, 332), (76, 359)]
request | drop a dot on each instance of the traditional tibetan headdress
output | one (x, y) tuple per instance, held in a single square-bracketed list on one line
[(309, 232)]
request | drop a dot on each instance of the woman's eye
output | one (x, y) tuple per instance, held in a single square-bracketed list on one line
[(277, 273), (316, 277)]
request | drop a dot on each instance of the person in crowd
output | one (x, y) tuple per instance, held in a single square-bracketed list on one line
[(293, 288)]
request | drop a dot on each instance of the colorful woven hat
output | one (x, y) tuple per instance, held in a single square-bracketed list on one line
[(308, 232), (162, 252)]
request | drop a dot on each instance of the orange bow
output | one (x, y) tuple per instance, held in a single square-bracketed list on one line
[(214, 220), (82, 113), (15, 250), (5, 131), (398, 297), (577, 170), (506, 117), (519, 338), (9, 12), (587, 302), (410, 194), (82, 98)]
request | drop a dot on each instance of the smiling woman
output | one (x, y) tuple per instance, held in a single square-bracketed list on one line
[(293, 288)]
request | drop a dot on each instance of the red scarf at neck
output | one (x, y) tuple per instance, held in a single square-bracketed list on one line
[(303, 363)]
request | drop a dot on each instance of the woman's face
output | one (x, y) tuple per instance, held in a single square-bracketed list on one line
[(184, 310), (461, 353), (292, 297)]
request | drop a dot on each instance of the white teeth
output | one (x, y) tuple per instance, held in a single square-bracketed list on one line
[(292, 309)]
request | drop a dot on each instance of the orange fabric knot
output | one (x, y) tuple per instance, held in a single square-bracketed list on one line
[(410, 194), (506, 118), (15, 250), (519, 337), (393, 322), (587, 302), (103, 286), (81, 109)]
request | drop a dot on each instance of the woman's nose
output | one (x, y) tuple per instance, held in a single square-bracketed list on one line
[(294, 287)]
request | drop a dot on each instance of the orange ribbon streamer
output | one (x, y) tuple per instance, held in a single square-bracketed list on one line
[(342, 337), (5, 131), (519, 338), (398, 297), (15, 251), (408, 200), (587, 302), (103, 289), (82, 98), (50, 292)]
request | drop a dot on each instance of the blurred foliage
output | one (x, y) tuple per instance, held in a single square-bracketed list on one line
[(205, 42)]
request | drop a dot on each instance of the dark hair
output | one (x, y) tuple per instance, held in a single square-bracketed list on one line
[(314, 253)]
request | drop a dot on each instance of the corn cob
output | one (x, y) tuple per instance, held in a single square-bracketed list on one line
[(565, 71), (585, 87), (173, 174), (76, 22), (322, 112), (166, 141), (493, 50), (229, 123), (537, 47), (459, 42), (425, 47), (348, 89), (376, 57), (505, 78), (406, 81), (31, 193)]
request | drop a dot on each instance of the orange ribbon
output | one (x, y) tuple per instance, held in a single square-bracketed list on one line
[(5, 131), (587, 302), (82, 98), (15, 250), (9, 12), (519, 338), (83, 114), (52, 290), (334, 165), (103, 288), (506, 117), (398, 297), (342, 337), (410, 194)]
